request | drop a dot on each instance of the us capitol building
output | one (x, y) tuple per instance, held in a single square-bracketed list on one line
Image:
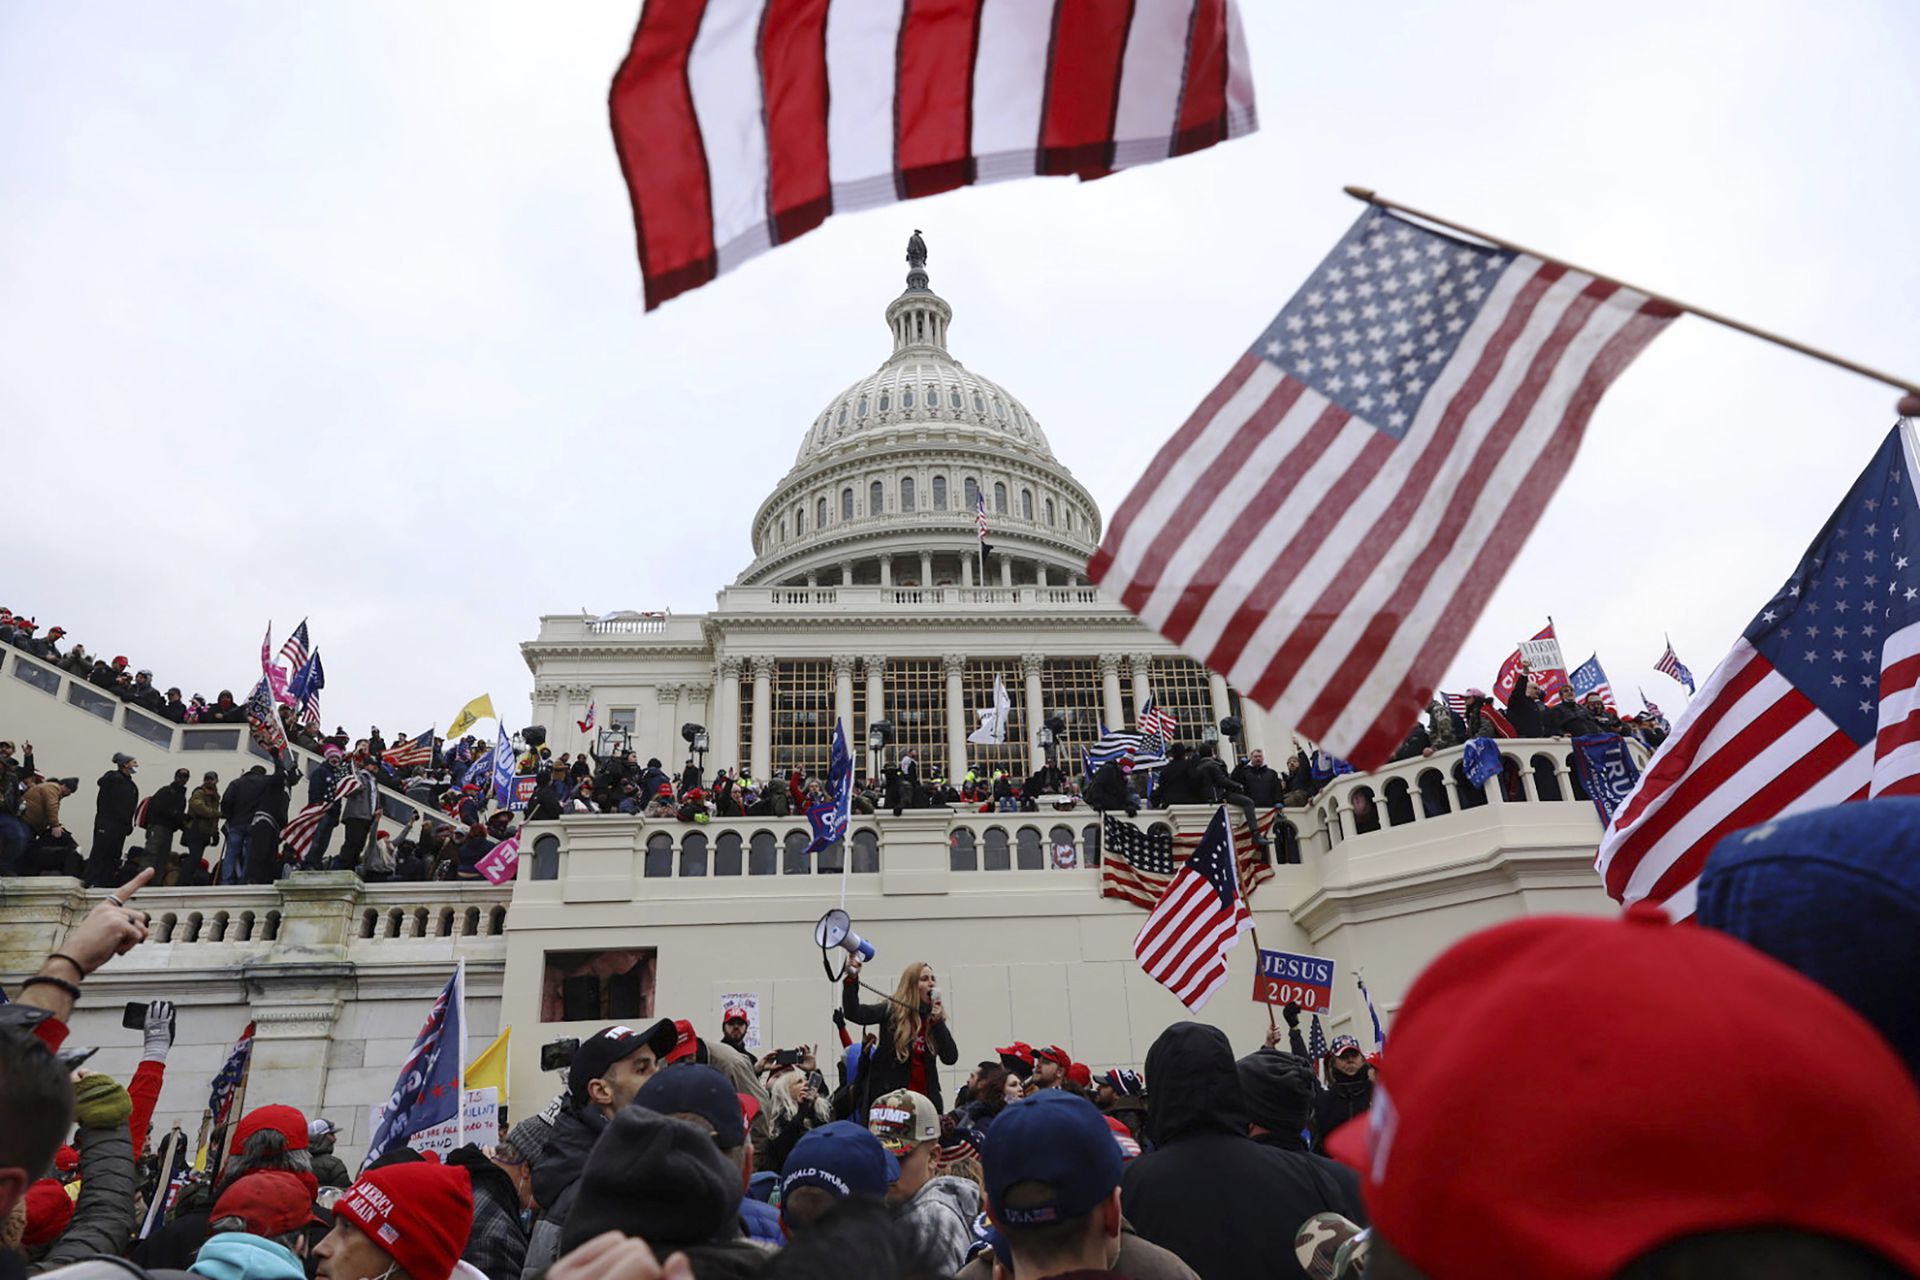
[(865, 600), (868, 599)]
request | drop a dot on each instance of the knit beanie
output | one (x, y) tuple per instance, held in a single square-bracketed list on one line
[(49, 1210), (1278, 1088), (657, 1178), (418, 1214), (99, 1102), (530, 1137)]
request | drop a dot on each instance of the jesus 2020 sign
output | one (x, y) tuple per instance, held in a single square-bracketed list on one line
[(1284, 978)]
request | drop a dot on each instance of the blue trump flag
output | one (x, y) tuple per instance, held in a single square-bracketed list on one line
[(428, 1090), (503, 770), (831, 816), (1481, 760), (1606, 770)]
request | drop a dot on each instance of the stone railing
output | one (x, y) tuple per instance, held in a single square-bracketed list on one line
[(947, 598)]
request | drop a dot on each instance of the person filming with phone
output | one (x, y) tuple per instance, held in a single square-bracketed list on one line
[(913, 1034), (797, 1104)]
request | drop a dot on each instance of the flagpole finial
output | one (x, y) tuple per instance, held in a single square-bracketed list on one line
[(1359, 193), (1909, 406)]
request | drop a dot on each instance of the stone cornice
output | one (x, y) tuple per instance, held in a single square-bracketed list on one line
[(1495, 874)]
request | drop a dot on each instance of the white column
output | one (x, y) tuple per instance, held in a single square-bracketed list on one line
[(966, 569), (666, 745), (956, 663), (926, 568), (843, 697), (813, 578), (680, 717), (1030, 667), (1040, 573), (1006, 571), (1217, 695), (876, 665), (762, 718), (846, 573), (1110, 690), (726, 739), (1142, 666), (886, 570)]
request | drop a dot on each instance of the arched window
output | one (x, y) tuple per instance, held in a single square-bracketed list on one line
[(783, 531), (906, 398), (999, 410), (876, 498), (973, 493), (886, 401), (939, 493), (979, 405), (1026, 504), (1049, 510), (953, 397), (820, 514), (799, 521), (860, 412), (906, 493), (999, 497), (846, 504), (843, 415), (933, 397)]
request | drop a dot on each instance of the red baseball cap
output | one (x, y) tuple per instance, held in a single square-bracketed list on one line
[(1055, 1054), (1592, 1157), (286, 1120), (1080, 1074), (685, 1044), (272, 1202), (734, 1013)]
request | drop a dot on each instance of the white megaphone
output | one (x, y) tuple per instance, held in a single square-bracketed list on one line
[(835, 929)]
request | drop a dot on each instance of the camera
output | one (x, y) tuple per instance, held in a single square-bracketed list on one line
[(557, 1055), (787, 1058)]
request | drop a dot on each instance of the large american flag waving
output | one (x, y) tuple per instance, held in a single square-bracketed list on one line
[(1184, 943), (743, 124), (1818, 703), (1328, 524)]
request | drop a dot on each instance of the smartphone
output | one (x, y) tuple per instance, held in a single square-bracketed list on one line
[(134, 1016), (786, 1058)]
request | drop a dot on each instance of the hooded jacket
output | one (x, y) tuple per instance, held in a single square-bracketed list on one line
[(240, 1255), (556, 1178), (329, 1168), (119, 799), (1338, 1103), (942, 1212), (1205, 1170), (496, 1245)]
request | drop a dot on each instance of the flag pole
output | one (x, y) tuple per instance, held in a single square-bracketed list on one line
[(1253, 928), (1909, 385)]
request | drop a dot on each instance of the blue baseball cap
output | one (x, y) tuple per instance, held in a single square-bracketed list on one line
[(688, 1088), (1057, 1139), (843, 1158)]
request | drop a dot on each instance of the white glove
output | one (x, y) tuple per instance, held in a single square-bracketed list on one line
[(159, 1031)]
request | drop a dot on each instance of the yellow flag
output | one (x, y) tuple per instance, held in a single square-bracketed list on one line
[(481, 708), (490, 1068)]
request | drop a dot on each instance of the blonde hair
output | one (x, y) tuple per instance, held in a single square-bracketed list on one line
[(907, 1022)]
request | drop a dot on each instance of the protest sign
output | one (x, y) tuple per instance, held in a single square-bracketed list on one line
[(481, 1122), (749, 1001), (1285, 978)]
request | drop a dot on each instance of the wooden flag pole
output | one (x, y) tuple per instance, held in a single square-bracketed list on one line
[(1909, 403)]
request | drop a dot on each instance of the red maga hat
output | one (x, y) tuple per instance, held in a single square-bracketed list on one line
[(1581, 1172)]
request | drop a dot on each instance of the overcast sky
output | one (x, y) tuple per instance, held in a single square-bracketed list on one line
[(333, 311)]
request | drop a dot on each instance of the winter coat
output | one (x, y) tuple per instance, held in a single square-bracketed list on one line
[(556, 1179), (1570, 719), (1108, 788), (119, 801), (1259, 784), (359, 806), (1139, 1259), (544, 807), (167, 807), (942, 1213), (1526, 715), (243, 797), (1180, 784), (1205, 1170), (496, 1245), (320, 784), (1210, 775), (41, 808), (329, 1168), (241, 1255), (1338, 1103), (203, 815), (885, 1072), (102, 1220)]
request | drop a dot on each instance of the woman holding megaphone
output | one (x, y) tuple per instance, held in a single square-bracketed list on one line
[(913, 1034)]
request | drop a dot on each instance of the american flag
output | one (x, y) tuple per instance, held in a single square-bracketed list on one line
[(1818, 703), (586, 726), (1648, 707), (226, 1085), (1184, 943), (980, 515), (1143, 750), (1137, 864), (1317, 1044), (744, 124), (1670, 665), (410, 751), (1456, 703), (294, 652), (1326, 527), (1152, 720), (298, 834)]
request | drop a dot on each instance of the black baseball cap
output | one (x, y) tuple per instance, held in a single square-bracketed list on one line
[(688, 1088), (609, 1045)]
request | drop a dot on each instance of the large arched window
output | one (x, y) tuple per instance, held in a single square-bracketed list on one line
[(861, 412), (999, 498), (973, 493), (799, 521), (939, 493), (1026, 504), (876, 498), (906, 493), (820, 514), (1049, 510), (846, 504), (906, 397), (886, 401)]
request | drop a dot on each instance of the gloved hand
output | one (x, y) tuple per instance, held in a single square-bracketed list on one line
[(99, 1102), (1291, 1012), (839, 1019), (158, 1029)]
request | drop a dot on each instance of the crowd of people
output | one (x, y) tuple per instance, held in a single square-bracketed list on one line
[(1532, 1118)]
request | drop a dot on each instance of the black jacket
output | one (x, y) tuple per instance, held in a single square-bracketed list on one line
[(1526, 715), (167, 807), (1260, 784), (545, 805), (242, 797), (884, 1072), (1205, 1170), (1338, 1103), (119, 801), (1180, 784), (1108, 788), (1572, 719), (1211, 776), (556, 1177)]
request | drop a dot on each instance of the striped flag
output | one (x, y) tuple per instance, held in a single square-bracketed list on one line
[(980, 515), (294, 652), (298, 834), (1818, 703), (1456, 703), (1317, 1045), (743, 124), (1184, 943), (226, 1084), (1155, 722), (308, 680), (410, 751), (1670, 665), (1588, 678), (1137, 863), (263, 717), (1327, 526), (1144, 750)]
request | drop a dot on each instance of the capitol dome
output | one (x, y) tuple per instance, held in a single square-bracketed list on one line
[(883, 488)]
